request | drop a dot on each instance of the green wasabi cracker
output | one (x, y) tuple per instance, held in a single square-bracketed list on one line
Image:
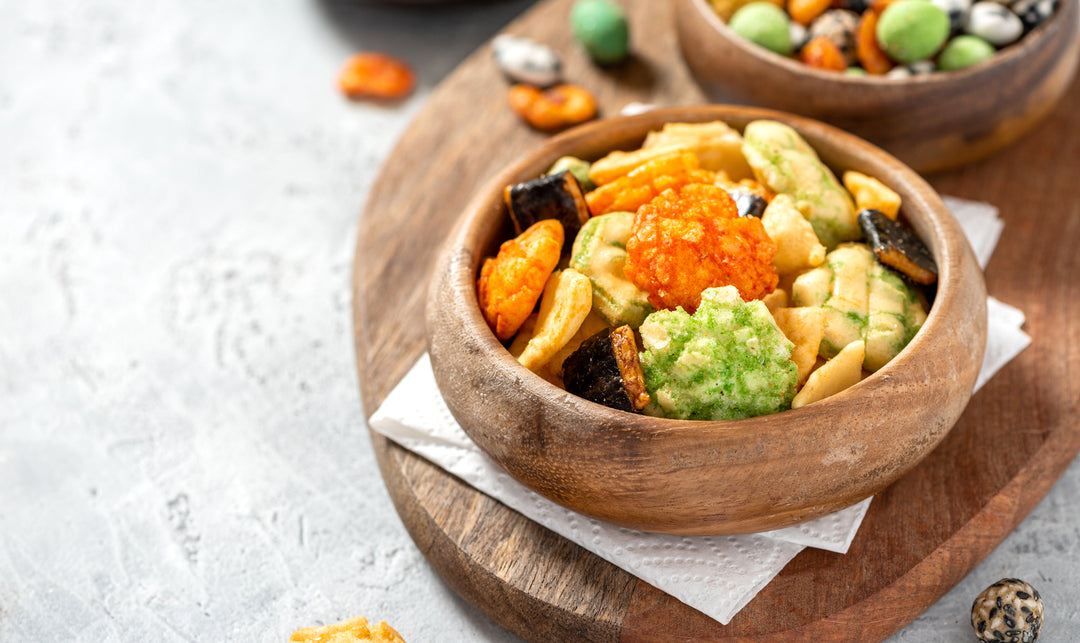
[(862, 300), (599, 253), (727, 361), (786, 164)]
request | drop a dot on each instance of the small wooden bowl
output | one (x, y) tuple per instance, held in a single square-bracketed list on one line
[(931, 122), (707, 478)]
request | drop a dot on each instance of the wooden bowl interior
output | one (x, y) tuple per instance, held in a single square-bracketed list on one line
[(662, 475)]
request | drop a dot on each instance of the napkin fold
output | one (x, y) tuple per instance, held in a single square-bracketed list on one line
[(715, 575)]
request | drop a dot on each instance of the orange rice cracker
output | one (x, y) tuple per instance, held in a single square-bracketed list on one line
[(511, 283), (690, 239), (628, 193)]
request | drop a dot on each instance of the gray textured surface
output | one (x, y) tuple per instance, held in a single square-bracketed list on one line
[(181, 446)]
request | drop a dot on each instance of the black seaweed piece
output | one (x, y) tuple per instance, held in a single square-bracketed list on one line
[(888, 239), (858, 6), (556, 196), (592, 372), (749, 204)]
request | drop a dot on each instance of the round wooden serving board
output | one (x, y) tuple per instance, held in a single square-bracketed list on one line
[(920, 537)]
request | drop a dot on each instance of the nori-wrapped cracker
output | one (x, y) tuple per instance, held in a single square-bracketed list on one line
[(557, 196), (605, 369), (897, 246)]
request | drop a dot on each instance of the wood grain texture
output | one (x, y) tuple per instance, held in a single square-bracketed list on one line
[(707, 478), (932, 122), (921, 535)]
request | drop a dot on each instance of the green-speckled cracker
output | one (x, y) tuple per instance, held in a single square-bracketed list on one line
[(727, 361), (599, 253), (786, 164), (862, 299)]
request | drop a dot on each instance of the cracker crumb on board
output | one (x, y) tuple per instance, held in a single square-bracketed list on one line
[(354, 630)]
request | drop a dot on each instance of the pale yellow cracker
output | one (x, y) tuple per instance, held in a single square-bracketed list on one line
[(567, 299), (835, 375), (804, 327), (552, 371), (717, 146), (354, 630), (797, 246), (812, 288), (775, 300), (618, 164), (872, 193)]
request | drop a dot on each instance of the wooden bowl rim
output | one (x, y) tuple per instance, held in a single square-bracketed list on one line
[(936, 218), (981, 71)]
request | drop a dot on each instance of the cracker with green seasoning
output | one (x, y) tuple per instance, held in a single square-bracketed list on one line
[(862, 300), (599, 253), (785, 163), (727, 361)]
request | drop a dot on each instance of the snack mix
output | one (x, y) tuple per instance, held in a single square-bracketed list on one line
[(894, 38), (708, 275)]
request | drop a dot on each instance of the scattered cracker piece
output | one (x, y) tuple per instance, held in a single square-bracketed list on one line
[(354, 630), (552, 108), (376, 75)]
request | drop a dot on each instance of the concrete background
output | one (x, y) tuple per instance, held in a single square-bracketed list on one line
[(182, 451)]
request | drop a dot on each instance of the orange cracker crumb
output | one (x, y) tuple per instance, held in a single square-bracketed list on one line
[(354, 630)]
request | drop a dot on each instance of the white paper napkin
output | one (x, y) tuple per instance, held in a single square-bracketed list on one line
[(715, 575)]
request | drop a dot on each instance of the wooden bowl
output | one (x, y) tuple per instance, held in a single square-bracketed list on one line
[(931, 122), (707, 478)]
